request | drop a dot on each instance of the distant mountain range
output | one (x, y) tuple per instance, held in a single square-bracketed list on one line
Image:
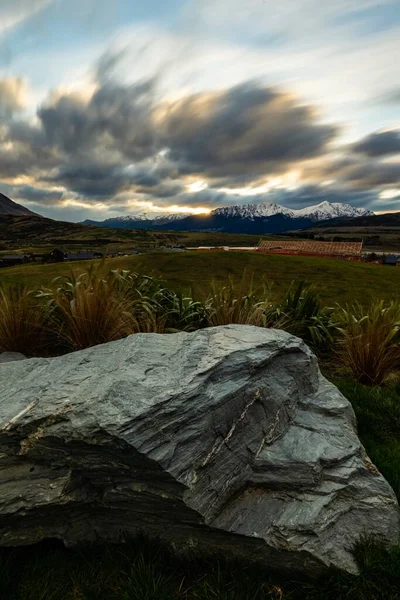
[(266, 217), (9, 207)]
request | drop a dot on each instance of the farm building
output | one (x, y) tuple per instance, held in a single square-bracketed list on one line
[(346, 250), (10, 260), (83, 256)]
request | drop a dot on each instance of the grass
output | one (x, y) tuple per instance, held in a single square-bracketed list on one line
[(22, 319), (369, 340), (140, 570), (378, 416), (336, 280), (37, 234), (98, 306), (143, 570), (87, 309)]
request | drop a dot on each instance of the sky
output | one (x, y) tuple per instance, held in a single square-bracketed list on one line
[(155, 106)]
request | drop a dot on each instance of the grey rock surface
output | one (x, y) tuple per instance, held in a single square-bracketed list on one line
[(11, 356), (223, 440)]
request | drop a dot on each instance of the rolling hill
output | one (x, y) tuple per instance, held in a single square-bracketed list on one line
[(25, 233)]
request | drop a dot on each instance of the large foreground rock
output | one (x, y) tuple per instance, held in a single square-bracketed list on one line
[(227, 439)]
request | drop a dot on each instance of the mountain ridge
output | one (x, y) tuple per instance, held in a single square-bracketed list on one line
[(266, 217)]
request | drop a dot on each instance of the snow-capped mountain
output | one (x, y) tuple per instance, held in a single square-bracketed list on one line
[(332, 210), (253, 211), (137, 221), (318, 212), (151, 217), (265, 217)]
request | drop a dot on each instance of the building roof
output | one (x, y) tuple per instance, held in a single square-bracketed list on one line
[(81, 256), (312, 247), (13, 257)]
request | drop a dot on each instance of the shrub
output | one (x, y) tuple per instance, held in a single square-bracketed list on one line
[(369, 340), (22, 321)]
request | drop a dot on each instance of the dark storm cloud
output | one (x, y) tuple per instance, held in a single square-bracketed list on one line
[(251, 127), (90, 180), (364, 174), (379, 144), (31, 194), (103, 180), (122, 142), (308, 195), (22, 159), (116, 118)]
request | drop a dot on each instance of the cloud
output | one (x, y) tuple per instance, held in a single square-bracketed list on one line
[(116, 118), (33, 194), (379, 143), (248, 127), (302, 196), (364, 174), (13, 12), (390, 97), (124, 144), (13, 93)]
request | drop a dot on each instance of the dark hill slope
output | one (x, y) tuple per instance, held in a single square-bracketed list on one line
[(9, 207)]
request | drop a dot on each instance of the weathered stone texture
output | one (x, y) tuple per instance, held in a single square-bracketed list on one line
[(227, 439)]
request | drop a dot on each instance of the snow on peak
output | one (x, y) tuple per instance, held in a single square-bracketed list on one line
[(331, 210), (252, 211), (318, 212)]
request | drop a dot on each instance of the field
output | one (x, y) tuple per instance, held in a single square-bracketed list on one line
[(140, 570), (380, 233), (335, 280), (37, 234)]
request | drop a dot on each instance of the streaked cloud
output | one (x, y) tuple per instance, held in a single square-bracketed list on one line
[(381, 143), (157, 106)]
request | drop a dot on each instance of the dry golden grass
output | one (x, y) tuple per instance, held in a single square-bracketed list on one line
[(22, 321), (369, 340), (90, 309)]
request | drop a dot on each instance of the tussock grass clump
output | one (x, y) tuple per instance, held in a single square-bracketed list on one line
[(229, 304), (91, 309), (300, 313), (369, 340), (22, 321)]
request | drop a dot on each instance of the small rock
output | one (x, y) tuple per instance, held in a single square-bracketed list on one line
[(11, 356)]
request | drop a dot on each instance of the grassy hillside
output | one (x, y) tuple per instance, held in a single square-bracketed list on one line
[(35, 234), (336, 280), (380, 233)]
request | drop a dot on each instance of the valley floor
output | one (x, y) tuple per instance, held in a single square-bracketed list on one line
[(335, 280)]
